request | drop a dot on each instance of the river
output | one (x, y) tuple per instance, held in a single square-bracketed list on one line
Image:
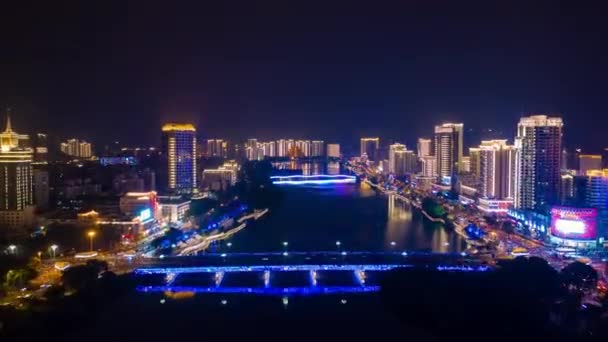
[(314, 218)]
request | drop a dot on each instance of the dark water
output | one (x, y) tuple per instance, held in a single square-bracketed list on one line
[(314, 218)]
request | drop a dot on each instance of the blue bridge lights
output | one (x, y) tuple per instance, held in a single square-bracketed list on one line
[(313, 179)]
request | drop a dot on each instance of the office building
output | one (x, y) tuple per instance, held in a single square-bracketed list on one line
[(173, 209), (497, 169), (539, 148), (424, 147), (429, 166), (16, 191), (41, 189), (370, 147), (588, 162), (317, 147), (448, 149), (77, 148), (410, 162), (333, 150), (179, 150)]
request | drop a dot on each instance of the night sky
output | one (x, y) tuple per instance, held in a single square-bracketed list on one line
[(330, 70)]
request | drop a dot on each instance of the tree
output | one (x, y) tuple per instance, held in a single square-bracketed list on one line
[(432, 208), (579, 277)]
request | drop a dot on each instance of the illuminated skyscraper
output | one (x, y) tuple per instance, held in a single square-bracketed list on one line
[(588, 162), (539, 147), (448, 149), (429, 166), (466, 164), (304, 147), (333, 150), (424, 147), (396, 159), (317, 148), (41, 150), (474, 164), (369, 147), (497, 169), (179, 148), (16, 192)]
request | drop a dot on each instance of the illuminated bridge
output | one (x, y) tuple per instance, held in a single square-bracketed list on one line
[(313, 179), (295, 273)]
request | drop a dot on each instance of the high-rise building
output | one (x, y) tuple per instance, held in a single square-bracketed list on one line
[(41, 149), (16, 192), (424, 147), (317, 148), (179, 149), (41, 189), (333, 150), (466, 164), (429, 166), (303, 146), (77, 148), (410, 161), (448, 149), (566, 188), (539, 147), (597, 196), (217, 148), (588, 162), (497, 169), (282, 148), (475, 166), (396, 159), (369, 147)]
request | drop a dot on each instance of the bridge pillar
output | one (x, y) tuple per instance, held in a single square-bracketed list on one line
[(360, 276), (219, 276), (267, 279), (313, 278)]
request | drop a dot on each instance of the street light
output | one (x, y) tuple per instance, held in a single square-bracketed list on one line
[(91, 235), (54, 249), (12, 248)]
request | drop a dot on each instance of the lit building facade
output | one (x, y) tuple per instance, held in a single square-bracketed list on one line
[(77, 148), (41, 189), (429, 166), (448, 149), (317, 148), (474, 162), (370, 147), (333, 150), (588, 162), (41, 149), (539, 147), (497, 169), (217, 148), (396, 159), (16, 191), (424, 147), (179, 149)]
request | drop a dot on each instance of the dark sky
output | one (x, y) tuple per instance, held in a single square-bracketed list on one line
[(328, 69)]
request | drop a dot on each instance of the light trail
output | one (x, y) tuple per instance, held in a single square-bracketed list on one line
[(313, 179)]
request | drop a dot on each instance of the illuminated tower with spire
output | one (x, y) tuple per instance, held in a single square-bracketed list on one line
[(16, 193)]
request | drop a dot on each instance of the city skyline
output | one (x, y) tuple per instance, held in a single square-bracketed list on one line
[(445, 63)]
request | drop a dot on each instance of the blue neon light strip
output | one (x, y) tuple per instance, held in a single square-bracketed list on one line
[(313, 176), (291, 268), (319, 179), (268, 291)]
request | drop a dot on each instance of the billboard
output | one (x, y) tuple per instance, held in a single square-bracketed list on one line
[(574, 223)]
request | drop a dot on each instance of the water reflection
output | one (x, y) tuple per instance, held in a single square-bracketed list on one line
[(309, 168)]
